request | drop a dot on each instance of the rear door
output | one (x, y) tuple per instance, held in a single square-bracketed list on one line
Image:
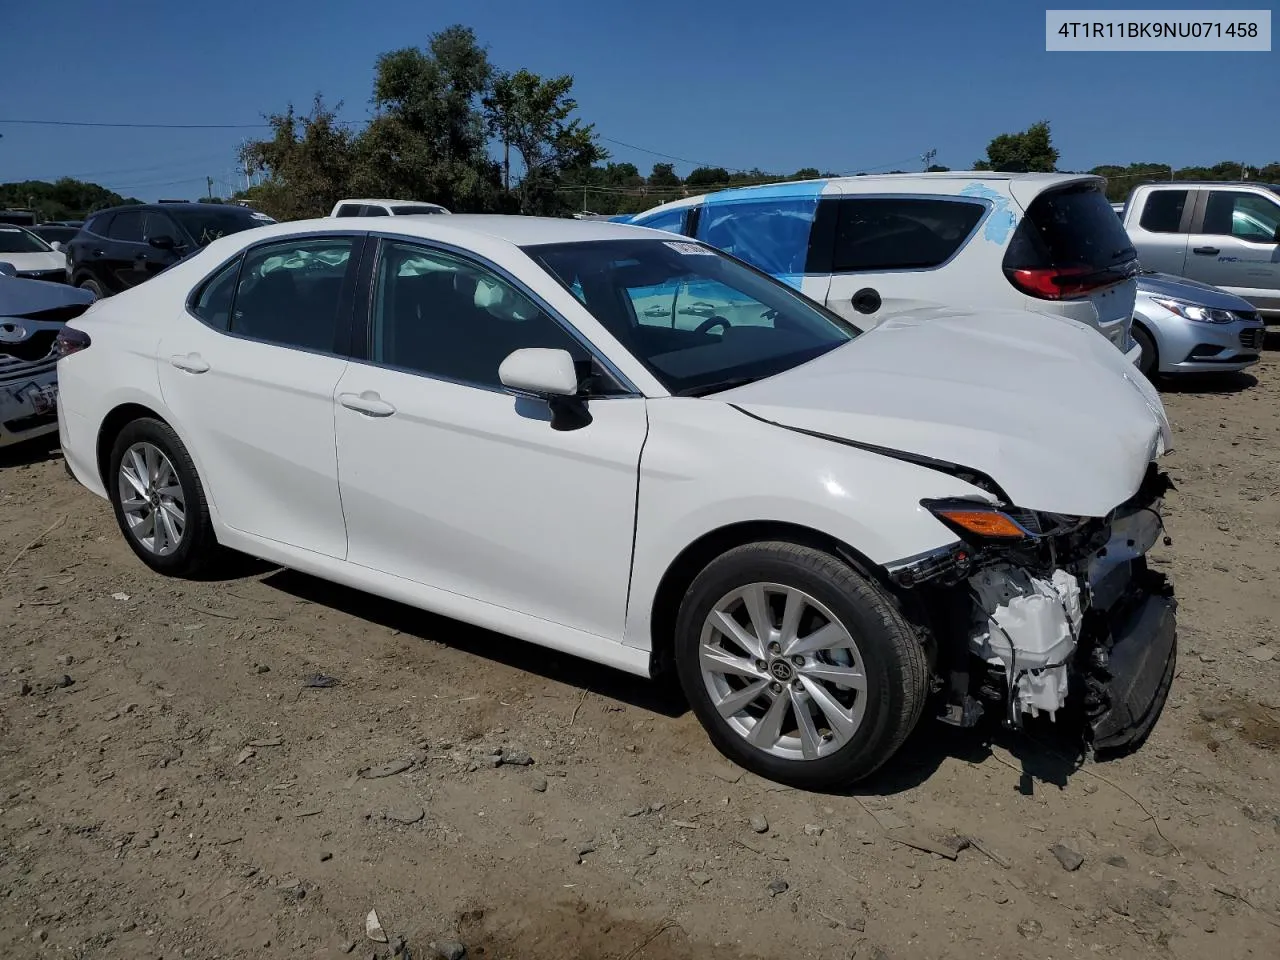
[(1160, 226), (1233, 244), (122, 259), (890, 253)]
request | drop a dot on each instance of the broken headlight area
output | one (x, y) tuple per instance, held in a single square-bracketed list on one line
[(1033, 613)]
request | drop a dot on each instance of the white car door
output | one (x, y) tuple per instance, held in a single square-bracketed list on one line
[(1237, 244), (251, 385), (449, 481), (894, 253)]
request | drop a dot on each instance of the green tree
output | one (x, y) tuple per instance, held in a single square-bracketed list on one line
[(308, 162), (429, 139), (703, 177), (663, 175), (937, 168), (534, 116), (64, 199), (806, 173), (1032, 150)]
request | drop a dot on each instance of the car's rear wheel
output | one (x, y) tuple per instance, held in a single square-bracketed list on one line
[(1149, 362), (800, 669), (88, 283), (158, 500)]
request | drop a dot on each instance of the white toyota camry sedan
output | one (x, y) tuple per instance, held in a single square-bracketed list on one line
[(636, 449)]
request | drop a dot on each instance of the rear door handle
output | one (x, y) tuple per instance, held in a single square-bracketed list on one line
[(368, 403), (1206, 251), (191, 362)]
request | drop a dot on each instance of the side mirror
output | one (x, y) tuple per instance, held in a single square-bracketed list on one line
[(164, 242), (7, 269), (56, 245), (539, 372)]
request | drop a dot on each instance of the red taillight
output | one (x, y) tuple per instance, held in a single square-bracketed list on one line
[(1059, 283), (70, 340)]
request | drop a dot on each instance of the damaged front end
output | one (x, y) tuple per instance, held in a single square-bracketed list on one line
[(1034, 613)]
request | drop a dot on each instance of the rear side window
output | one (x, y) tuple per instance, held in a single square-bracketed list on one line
[(212, 302), (1234, 213), (350, 210), (888, 233), (288, 292), (127, 226), (374, 210), (772, 235), (423, 208), (672, 221), (100, 224), (1072, 227), (1163, 211)]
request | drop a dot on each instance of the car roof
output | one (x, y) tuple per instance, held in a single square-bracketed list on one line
[(901, 182), (518, 230), (172, 206), (423, 203)]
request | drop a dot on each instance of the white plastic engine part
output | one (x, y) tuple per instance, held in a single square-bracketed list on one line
[(1029, 626)]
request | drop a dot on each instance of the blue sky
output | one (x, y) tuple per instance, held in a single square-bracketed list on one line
[(738, 84)]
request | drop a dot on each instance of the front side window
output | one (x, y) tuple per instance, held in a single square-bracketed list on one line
[(289, 292), (17, 240), (350, 210), (447, 317), (891, 233), (414, 208), (1248, 216), (1162, 213), (771, 235), (697, 320), (672, 221), (126, 226)]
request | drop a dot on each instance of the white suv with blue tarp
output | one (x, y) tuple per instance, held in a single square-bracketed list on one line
[(873, 247)]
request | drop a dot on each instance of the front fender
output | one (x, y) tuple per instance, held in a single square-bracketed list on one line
[(707, 466)]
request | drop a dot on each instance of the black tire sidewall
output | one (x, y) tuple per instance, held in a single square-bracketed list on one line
[(1149, 364), (198, 540), (93, 287), (878, 736)]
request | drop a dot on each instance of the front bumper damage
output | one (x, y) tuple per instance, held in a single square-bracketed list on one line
[(1075, 623)]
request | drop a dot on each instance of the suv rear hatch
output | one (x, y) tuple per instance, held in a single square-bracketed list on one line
[(1070, 248)]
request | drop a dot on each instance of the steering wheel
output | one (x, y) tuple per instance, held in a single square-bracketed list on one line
[(710, 323)]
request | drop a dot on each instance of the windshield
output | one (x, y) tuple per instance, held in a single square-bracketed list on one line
[(405, 210), (207, 226), (17, 240), (698, 320)]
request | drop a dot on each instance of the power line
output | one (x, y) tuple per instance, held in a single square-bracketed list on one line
[(144, 126)]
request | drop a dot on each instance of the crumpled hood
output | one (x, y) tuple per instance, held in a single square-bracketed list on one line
[(1045, 406), (1193, 291)]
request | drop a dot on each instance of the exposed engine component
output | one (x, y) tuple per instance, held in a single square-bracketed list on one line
[(1028, 627)]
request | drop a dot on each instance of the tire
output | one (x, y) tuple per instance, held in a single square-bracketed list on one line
[(884, 649), (195, 547), (92, 286), (1149, 362)]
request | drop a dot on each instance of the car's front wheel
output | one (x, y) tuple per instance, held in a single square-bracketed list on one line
[(800, 669), (1149, 362), (92, 286), (158, 500)]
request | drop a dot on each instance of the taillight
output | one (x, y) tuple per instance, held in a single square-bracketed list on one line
[(1060, 283), (70, 340)]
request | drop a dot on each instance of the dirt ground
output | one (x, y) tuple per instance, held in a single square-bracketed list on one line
[(170, 788)]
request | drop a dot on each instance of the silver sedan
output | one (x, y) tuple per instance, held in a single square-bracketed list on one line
[(1189, 327)]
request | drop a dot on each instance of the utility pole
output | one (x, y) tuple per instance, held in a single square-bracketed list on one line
[(928, 159), (209, 182)]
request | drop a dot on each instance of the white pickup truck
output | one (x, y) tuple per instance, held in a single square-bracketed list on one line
[(1224, 234)]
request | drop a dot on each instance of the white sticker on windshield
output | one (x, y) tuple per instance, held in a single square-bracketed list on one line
[(680, 247)]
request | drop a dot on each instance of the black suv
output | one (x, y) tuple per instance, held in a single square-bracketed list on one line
[(123, 246)]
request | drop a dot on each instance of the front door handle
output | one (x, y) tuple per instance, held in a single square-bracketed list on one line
[(368, 403), (1206, 251), (190, 362)]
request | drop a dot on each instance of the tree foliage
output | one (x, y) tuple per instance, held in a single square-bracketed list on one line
[(64, 199), (1032, 151)]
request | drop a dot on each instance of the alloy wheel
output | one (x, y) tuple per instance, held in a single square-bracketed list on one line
[(782, 671), (151, 499)]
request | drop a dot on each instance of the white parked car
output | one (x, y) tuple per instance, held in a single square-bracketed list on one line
[(384, 208), (32, 258), (496, 418), (870, 247)]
